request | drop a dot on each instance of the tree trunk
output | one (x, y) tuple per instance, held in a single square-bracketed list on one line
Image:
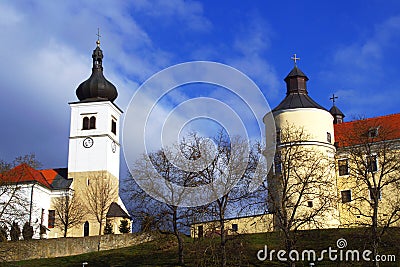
[(178, 237), (223, 242), (101, 224), (180, 250), (374, 229), (289, 244), (66, 225)]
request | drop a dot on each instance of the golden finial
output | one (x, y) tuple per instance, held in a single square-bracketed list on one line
[(98, 37)]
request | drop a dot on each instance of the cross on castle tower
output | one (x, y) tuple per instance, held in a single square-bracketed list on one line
[(333, 98), (295, 59)]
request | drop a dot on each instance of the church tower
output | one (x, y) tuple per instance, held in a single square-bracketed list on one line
[(94, 147), (306, 127)]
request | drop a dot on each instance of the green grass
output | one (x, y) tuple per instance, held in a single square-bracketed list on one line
[(241, 250)]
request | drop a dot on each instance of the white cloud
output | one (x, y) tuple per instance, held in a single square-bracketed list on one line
[(190, 13), (45, 54), (251, 42), (254, 38), (9, 15), (360, 67), (360, 59)]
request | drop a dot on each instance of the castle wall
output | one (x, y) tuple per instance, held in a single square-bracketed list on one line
[(61, 247)]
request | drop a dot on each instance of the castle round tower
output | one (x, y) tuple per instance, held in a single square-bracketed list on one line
[(302, 180), (300, 110)]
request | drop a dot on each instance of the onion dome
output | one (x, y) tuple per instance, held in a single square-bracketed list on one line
[(97, 87), (296, 92)]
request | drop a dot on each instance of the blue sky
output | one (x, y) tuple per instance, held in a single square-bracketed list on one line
[(349, 48)]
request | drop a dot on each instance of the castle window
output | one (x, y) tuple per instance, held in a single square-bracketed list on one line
[(373, 132), (346, 196), (310, 204), (234, 227), (85, 124), (92, 122), (328, 137), (372, 164), (278, 136), (278, 163), (114, 127), (200, 230), (51, 219), (343, 167), (86, 229), (375, 191)]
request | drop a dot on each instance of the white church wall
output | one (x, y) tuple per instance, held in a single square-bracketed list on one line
[(35, 203)]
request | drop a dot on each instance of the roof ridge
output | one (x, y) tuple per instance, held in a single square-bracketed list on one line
[(52, 169), (32, 172), (371, 118)]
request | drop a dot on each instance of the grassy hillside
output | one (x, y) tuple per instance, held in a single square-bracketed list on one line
[(241, 250)]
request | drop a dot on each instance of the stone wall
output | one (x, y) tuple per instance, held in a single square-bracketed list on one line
[(59, 247)]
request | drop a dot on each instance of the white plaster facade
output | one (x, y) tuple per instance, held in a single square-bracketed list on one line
[(35, 203), (104, 154)]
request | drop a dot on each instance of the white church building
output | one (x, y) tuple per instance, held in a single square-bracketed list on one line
[(27, 194)]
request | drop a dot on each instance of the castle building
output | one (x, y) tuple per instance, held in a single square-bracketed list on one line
[(93, 167), (327, 172)]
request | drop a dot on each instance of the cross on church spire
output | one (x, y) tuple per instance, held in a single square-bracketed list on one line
[(98, 37), (295, 58), (333, 98)]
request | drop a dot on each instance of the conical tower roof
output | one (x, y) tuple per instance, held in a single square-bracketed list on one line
[(296, 92)]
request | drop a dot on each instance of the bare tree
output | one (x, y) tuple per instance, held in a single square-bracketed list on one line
[(29, 159), (302, 187), (195, 164), (98, 196), (231, 169), (69, 210), (14, 201), (369, 168), (153, 214)]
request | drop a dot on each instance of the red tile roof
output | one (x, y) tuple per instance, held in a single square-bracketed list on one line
[(24, 173), (49, 175), (388, 129)]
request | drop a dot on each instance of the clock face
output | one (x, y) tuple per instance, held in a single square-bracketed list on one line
[(88, 142), (113, 147)]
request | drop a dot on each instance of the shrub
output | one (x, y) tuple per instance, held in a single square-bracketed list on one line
[(3, 234), (27, 231), (124, 226), (15, 232), (108, 229)]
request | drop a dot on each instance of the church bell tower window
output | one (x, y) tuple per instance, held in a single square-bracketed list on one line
[(92, 122), (85, 124), (88, 124), (113, 126)]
